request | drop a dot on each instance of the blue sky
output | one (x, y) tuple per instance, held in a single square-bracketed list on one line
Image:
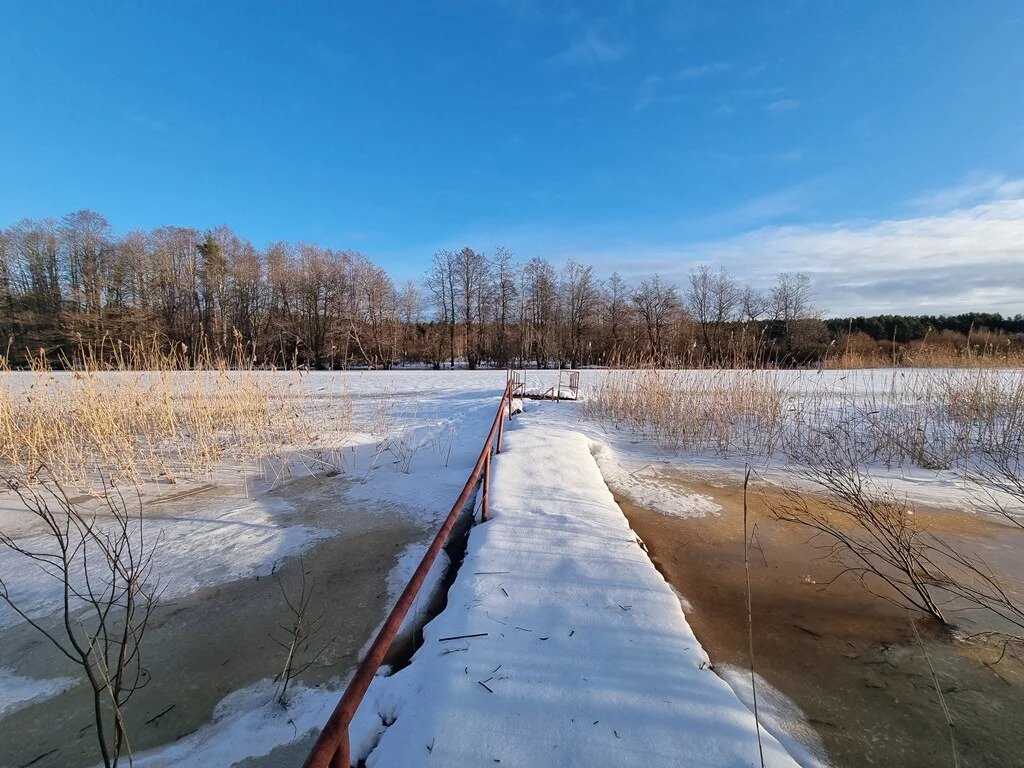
[(878, 146)]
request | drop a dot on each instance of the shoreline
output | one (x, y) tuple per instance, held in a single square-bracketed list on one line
[(847, 659)]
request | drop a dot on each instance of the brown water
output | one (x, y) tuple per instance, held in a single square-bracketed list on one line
[(217, 640), (848, 659)]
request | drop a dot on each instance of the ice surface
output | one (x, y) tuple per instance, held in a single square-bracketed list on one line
[(18, 692)]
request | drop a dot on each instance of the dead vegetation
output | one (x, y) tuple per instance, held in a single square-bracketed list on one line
[(102, 566), (130, 413), (930, 419)]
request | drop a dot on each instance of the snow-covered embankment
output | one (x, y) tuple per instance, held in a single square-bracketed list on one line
[(561, 644)]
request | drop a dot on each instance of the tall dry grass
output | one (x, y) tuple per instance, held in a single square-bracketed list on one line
[(936, 419), (990, 352), (129, 413)]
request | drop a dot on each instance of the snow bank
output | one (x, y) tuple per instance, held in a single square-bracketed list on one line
[(580, 653)]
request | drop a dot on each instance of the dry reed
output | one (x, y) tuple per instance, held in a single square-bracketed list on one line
[(129, 413), (938, 419)]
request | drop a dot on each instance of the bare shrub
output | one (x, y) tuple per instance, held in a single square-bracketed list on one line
[(876, 537), (1000, 484), (294, 638), (103, 566)]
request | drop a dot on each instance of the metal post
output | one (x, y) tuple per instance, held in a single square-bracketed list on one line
[(487, 487), (501, 428)]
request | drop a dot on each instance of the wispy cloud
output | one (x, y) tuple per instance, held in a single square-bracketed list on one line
[(948, 262), (788, 157), (784, 105), (764, 209), (324, 54), (976, 188), (966, 259), (970, 259), (590, 50), (652, 89), (647, 94), (703, 70), (145, 121)]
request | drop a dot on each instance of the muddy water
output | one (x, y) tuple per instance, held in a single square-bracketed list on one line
[(849, 660), (217, 640)]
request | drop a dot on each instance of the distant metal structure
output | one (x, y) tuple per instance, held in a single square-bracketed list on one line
[(332, 748), (567, 388)]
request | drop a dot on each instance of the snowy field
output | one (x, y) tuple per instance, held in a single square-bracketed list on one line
[(407, 439)]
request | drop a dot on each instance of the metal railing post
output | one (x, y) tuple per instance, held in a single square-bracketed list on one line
[(487, 488)]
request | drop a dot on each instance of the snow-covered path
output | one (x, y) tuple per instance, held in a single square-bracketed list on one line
[(582, 655)]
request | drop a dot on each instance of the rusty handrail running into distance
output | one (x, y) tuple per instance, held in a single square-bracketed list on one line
[(332, 748)]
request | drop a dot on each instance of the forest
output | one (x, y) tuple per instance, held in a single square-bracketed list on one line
[(73, 283)]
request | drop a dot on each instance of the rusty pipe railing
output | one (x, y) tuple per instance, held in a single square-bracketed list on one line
[(332, 748)]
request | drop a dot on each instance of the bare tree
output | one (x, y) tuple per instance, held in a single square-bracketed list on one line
[(791, 303), (657, 304), (714, 299), (86, 236), (503, 269), (471, 270), (581, 294), (617, 312), (103, 566), (540, 310), (440, 282)]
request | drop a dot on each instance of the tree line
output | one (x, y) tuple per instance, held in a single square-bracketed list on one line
[(73, 282), (907, 328)]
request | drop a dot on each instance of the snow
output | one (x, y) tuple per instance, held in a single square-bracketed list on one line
[(246, 723), (398, 577), (195, 547), (588, 630), (642, 484), (779, 715), (586, 657), (230, 526), (828, 392), (18, 692)]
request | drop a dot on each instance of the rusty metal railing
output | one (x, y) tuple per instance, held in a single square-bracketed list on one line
[(332, 748)]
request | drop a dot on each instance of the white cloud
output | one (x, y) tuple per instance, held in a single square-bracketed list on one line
[(703, 70), (590, 50), (789, 157), (971, 259), (647, 94), (650, 89), (976, 188), (967, 259), (784, 105), (145, 121)]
